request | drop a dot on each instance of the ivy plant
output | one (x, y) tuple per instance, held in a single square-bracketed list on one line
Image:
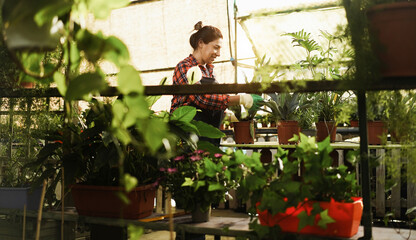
[(319, 180)]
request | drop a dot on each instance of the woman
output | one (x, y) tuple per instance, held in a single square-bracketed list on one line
[(206, 43)]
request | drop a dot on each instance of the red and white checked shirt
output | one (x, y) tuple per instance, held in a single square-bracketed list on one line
[(207, 101)]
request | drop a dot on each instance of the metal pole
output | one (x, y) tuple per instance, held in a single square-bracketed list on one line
[(235, 41), (365, 170)]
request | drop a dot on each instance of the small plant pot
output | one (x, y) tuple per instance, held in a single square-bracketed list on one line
[(103, 201), (244, 132), (347, 218), (199, 216), (286, 130), (16, 198), (354, 123), (325, 129), (377, 132)]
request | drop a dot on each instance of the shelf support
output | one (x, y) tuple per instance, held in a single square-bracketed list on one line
[(365, 169)]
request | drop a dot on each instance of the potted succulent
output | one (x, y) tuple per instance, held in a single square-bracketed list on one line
[(198, 179), (309, 202), (285, 108)]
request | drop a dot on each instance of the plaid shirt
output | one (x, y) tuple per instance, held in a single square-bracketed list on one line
[(207, 101)]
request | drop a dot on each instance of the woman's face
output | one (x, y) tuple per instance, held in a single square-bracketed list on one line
[(210, 51)]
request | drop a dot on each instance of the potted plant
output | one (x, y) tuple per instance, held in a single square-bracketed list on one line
[(16, 189), (321, 64), (377, 117), (285, 109), (197, 180), (93, 165), (244, 131), (309, 202)]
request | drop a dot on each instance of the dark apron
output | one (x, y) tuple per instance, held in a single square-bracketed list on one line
[(212, 117)]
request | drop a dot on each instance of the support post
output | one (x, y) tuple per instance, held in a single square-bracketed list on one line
[(365, 170)]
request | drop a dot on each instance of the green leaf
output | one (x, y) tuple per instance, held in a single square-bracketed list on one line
[(102, 8), (188, 182), (59, 79), (215, 187), (129, 81), (211, 168), (137, 106), (123, 197), (184, 114), (55, 8), (135, 232), (305, 220), (207, 130), (130, 182), (84, 84), (325, 219), (154, 130), (199, 184), (116, 51), (410, 210)]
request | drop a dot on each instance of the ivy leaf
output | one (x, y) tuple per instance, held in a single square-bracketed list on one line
[(130, 182), (325, 219), (188, 182), (305, 220), (210, 168), (215, 187), (199, 184)]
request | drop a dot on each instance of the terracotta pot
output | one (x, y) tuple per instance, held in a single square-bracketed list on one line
[(376, 131), (286, 130), (354, 123), (325, 129), (347, 218), (393, 24), (102, 201), (244, 132)]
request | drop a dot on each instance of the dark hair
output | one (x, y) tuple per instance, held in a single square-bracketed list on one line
[(206, 33)]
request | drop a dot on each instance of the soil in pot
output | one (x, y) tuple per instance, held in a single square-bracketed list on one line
[(286, 130), (244, 132), (325, 129)]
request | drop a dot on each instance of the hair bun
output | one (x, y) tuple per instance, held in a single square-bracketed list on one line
[(198, 26)]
